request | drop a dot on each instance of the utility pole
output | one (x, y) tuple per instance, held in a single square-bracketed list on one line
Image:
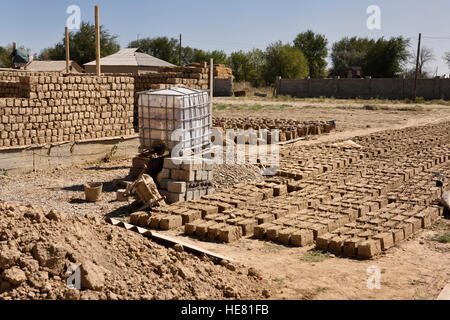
[(97, 40), (67, 51), (179, 52), (417, 67)]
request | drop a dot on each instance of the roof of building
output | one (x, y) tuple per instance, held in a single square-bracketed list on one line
[(51, 66), (131, 57)]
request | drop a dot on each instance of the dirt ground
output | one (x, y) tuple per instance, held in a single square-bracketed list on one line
[(417, 269)]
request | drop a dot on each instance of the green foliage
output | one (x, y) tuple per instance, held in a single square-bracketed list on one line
[(285, 61), (219, 56), (386, 58), (349, 52), (247, 66), (5, 52), (314, 47), (379, 59), (82, 45), (161, 47)]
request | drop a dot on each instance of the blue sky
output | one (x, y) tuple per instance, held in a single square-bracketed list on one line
[(231, 25)]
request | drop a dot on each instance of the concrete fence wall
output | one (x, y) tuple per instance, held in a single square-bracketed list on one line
[(429, 89), (223, 87)]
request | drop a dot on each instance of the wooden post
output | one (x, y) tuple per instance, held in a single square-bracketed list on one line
[(417, 67), (211, 85), (179, 53), (97, 40), (14, 46), (67, 51)]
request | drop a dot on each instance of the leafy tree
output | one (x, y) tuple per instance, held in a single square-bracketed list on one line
[(349, 52), (285, 61), (314, 47), (82, 45), (219, 56), (387, 58), (247, 66), (160, 47), (380, 59)]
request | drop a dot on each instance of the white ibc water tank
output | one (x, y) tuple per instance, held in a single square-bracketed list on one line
[(176, 117)]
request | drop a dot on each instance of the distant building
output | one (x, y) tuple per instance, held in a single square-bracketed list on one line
[(355, 72), (49, 66), (130, 60)]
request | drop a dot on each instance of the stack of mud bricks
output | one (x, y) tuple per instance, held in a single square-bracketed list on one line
[(288, 129), (61, 108), (222, 72), (185, 179)]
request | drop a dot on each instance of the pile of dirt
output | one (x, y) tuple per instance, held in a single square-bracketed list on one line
[(228, 175), (38, 247)]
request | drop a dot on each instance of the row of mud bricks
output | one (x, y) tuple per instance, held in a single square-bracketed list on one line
[(288, 129), (351, 208)]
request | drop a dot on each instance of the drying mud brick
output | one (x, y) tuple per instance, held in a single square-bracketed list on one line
[(323, 241), (369, 249), (302, 238), (170, 222), (230, 234), (386, 239)]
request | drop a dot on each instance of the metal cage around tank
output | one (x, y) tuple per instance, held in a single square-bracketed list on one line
[(176, 117)]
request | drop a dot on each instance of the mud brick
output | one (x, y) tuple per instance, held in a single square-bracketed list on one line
[(351, 246), (191, 164), (323, 241), (377, 221), (222, 218), (237, 203), (272, 232), (425, 218), (155, 220), (182, 175), (144, 220), (416, 224), (229, 234), (280, 190), (222, 206), (386, 239), (191, 215), (302, 238), (176, 186), (213, 231), (399, 235), (205, 209), (331, 224), (170, 222), (407, 228), (365, 234), (190, 227), (201, 230), (369, 249), (399, 218), (318, 229), (362, 210), (336, 244), (265, 218), (134, 217), (170, 163), (212, 217), (280, 213), (235, 221), (390, 224), (247, 226), (261, 230), (284, 235)]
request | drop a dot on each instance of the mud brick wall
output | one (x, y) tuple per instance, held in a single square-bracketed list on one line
[(67, 109), (429, 89)]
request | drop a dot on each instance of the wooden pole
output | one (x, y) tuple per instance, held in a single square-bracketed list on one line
[(179, 53), (14, 46), (67, 51), (97, 39), (417, 67), (211, 86)]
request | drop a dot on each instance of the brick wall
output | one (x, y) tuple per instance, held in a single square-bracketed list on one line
[(67, 108)]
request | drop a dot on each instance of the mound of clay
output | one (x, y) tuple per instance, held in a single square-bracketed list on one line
[(39, 252), (228, 175)]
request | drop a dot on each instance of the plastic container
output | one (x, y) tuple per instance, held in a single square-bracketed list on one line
[(180, 109)]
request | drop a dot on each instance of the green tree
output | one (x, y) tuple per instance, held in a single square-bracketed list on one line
[(219, 56), (160, 47), (387, 58), (349, 52), (82, 45), (285, 61), (247, 66), (314, 47)]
